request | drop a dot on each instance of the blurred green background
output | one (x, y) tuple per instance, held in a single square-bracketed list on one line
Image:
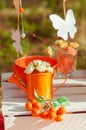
[(36, 20)]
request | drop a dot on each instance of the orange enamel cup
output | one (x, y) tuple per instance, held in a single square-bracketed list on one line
[(21, 64)]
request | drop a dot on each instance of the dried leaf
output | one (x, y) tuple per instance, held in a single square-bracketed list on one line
[(16, 37), (16, 3)]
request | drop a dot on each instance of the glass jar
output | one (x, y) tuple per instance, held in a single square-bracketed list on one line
[(66, 59)]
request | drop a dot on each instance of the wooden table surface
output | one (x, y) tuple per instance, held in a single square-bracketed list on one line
[(17, 118)]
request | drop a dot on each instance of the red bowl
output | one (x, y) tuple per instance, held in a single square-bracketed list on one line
[(21, 64)]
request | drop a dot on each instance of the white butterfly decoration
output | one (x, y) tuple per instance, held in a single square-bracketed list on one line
[(16, 37), (66, 26)]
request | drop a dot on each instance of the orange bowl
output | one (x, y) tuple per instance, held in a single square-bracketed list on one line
[(21, 64)]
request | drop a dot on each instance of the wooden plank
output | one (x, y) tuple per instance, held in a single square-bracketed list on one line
[(71, 82), (80, 73), (71, 122), (15, 91)]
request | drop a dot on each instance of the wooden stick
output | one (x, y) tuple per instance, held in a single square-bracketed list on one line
[(64, 8)]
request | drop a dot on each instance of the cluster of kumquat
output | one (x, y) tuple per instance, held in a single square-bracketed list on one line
[(49, 113)]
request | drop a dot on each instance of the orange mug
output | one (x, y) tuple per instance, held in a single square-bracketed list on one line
[(42, 83)]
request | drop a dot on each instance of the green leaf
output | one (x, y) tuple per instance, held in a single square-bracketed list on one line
[(63, 101), (55, 104), (40, 99)]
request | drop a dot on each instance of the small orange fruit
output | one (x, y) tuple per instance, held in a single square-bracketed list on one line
[(61, 110), (37, 105), (52, 115), (59, 118), (29, 106), (44, 115), (35, 112), (52, 109), (33, 101)]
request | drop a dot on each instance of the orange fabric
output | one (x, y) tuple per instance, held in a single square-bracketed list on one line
[(1, 122)]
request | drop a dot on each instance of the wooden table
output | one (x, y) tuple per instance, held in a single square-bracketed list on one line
[(17, 118)]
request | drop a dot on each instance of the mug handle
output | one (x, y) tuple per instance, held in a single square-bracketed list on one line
[(61, 85), (14, 79)]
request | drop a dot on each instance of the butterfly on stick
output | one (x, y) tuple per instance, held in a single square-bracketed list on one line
[(65, 26)]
